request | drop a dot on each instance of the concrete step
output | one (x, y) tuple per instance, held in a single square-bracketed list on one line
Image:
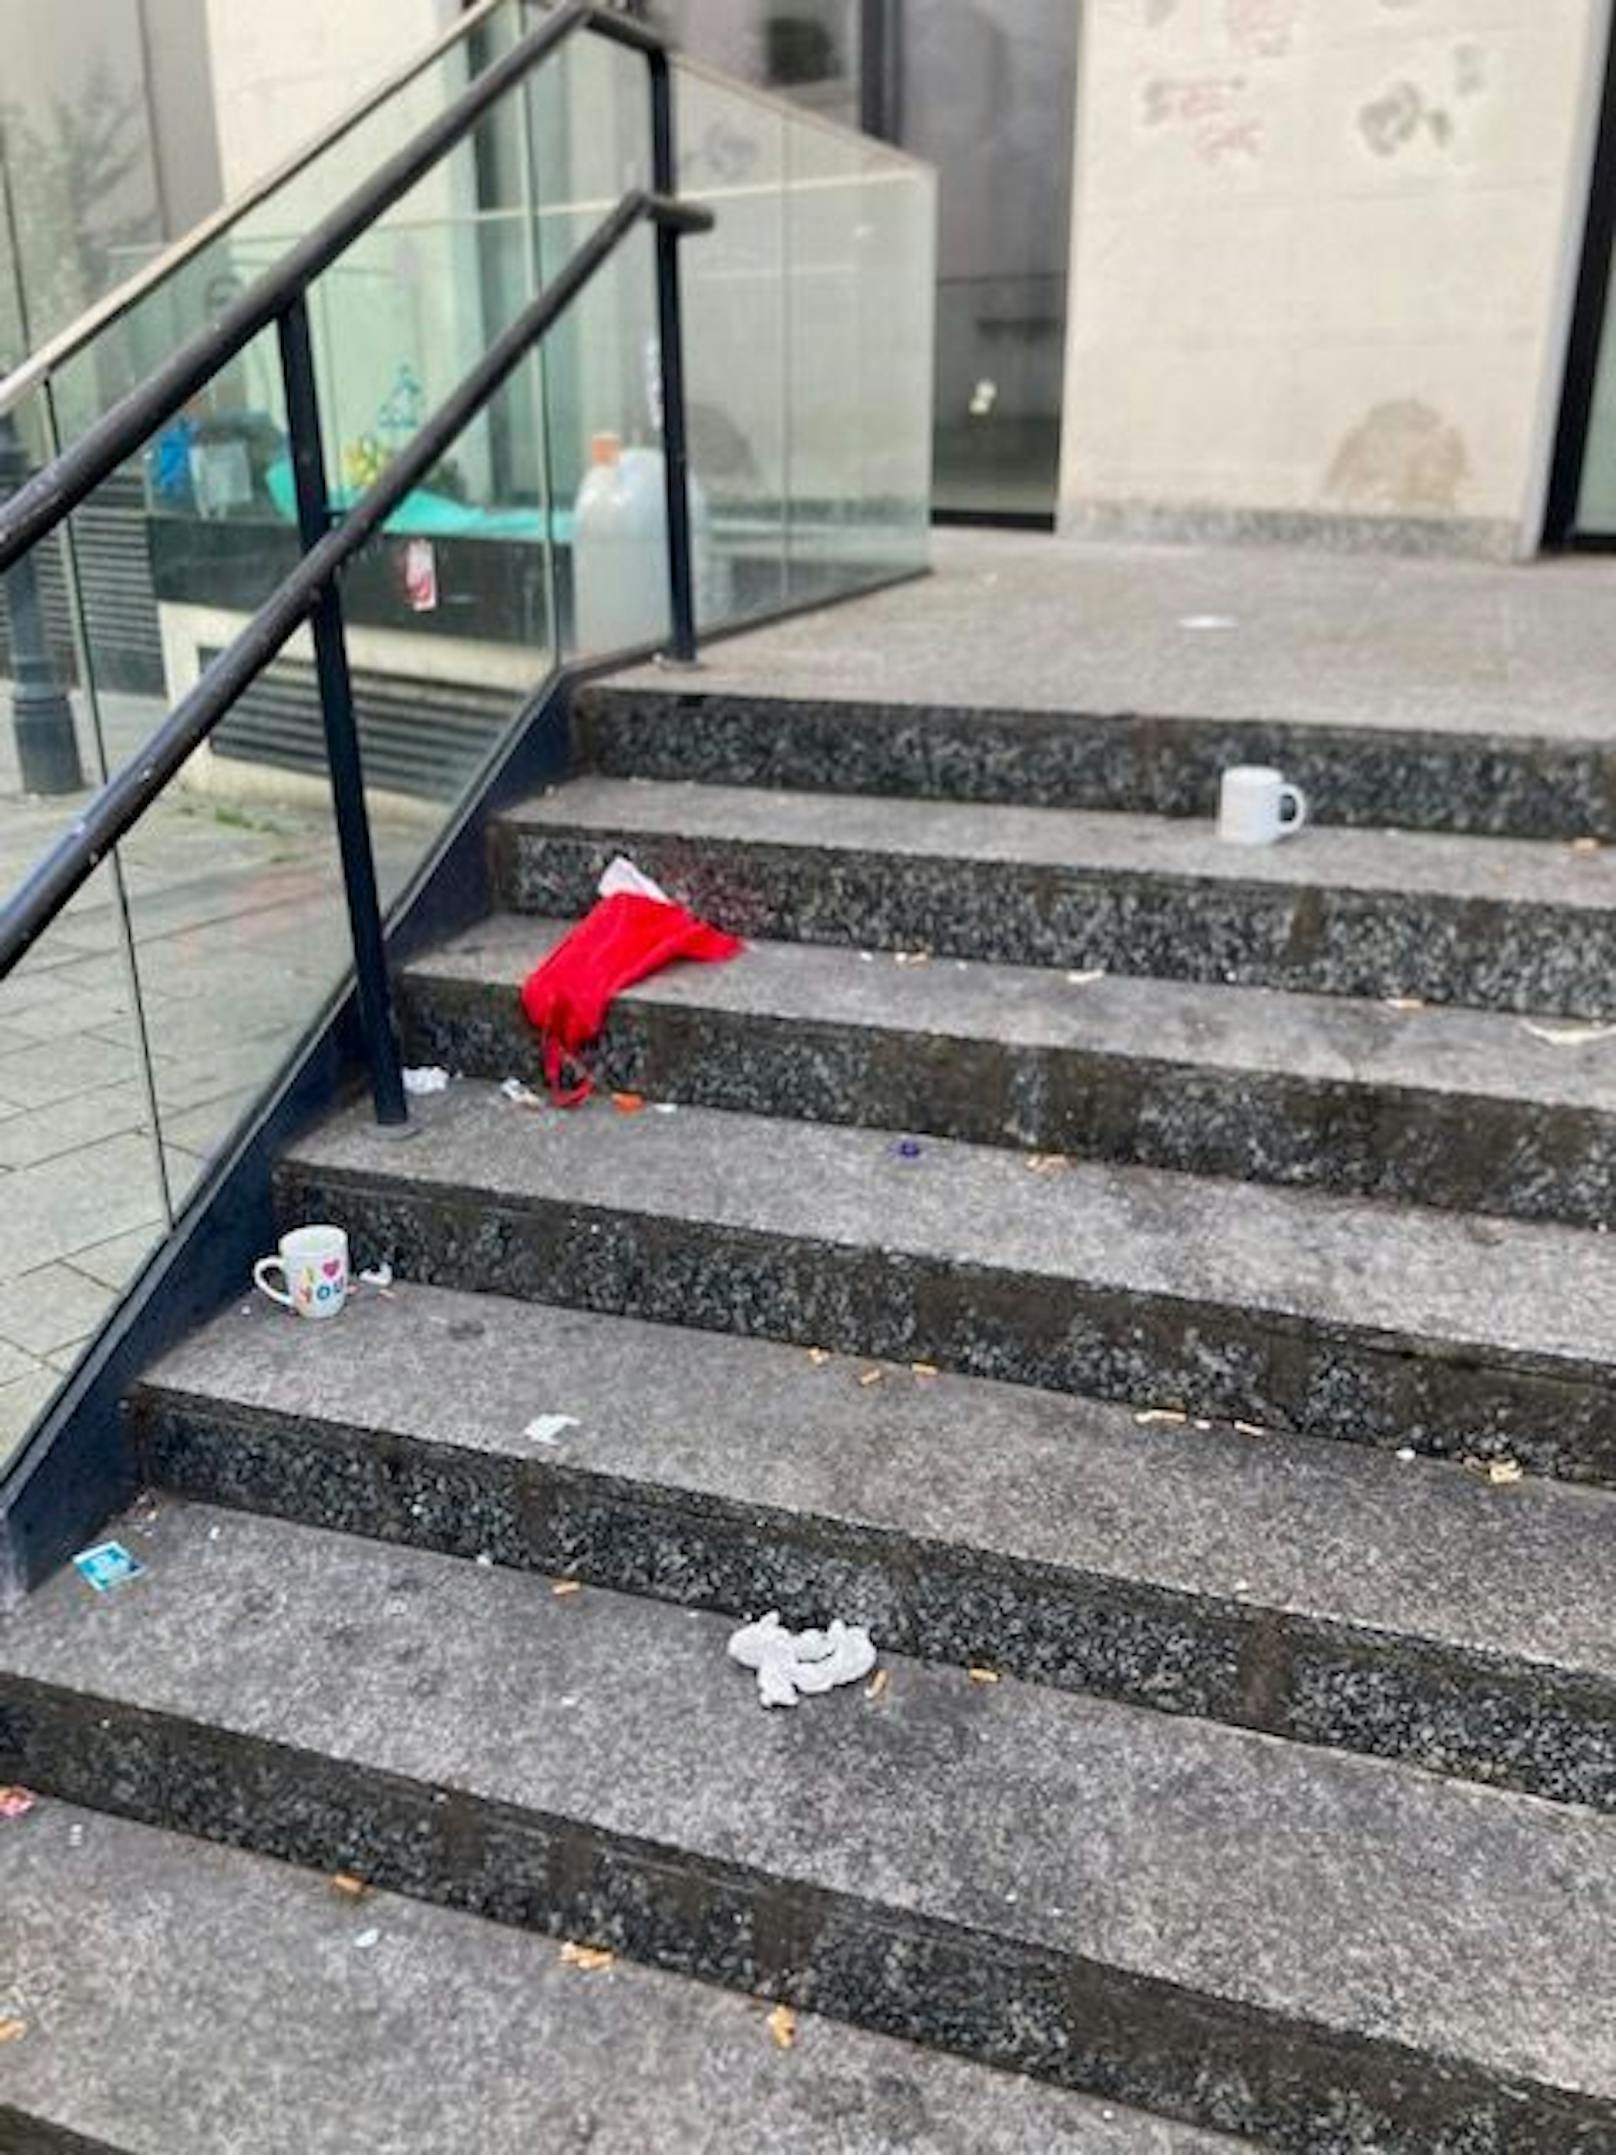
[(1318, 1951), (1330, 1316), (1497, 923), (1318, 1591), (1463, 1109), (182, 1998), (1432, 778)]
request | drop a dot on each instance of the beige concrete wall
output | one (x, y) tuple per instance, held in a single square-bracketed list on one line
[(1319, 258), (284, 70), (180, 87)]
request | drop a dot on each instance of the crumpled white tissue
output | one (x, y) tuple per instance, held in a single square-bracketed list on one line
[(795, 1664), (621, 879)]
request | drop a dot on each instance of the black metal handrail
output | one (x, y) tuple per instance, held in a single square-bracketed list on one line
[(310, 592)]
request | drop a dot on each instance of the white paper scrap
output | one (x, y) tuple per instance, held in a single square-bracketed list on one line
[(547, 1428), (621, 879), (1568, 1036)]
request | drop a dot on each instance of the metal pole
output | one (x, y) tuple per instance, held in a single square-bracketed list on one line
[(341, 733), (670, 346), (41, 716)]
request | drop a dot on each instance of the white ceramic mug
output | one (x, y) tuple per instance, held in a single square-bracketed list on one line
[(313, 1263), (1258, 806)]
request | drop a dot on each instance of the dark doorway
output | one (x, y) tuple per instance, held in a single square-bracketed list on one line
[(1581, 507), (985, 90)]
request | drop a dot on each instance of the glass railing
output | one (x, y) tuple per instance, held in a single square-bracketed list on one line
[(153, 1014)]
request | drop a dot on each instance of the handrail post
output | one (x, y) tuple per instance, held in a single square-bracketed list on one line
[(671, 356), (341, 732)]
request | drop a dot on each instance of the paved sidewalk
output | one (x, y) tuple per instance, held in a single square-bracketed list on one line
[(240, 931)]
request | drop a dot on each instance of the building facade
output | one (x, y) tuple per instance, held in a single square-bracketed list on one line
[(1324, 270), (1324, 261), (1298, 269)]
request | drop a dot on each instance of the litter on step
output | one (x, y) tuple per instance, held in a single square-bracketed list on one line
[(633, 930), (795, 1664)]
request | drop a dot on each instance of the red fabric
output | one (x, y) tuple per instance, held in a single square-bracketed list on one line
[(621, 940)]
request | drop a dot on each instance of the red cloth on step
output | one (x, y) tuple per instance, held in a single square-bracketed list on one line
[(621, 940)]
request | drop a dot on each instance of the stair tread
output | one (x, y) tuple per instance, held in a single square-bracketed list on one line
[(1103, 841), (1541, 1297), (258, 2021), (1327, 1038), (1339, 1533), (1338, 1892)]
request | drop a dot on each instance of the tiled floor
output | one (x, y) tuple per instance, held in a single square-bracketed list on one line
[(239, 931)]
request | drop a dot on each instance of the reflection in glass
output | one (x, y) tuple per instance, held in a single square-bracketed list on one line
[(159, 1009), (986, 94)]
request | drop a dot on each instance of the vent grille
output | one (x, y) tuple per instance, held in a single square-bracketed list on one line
[(424, 738), (119, 603)]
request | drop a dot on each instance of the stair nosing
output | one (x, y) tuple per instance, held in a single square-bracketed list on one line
[(269, 1999), (460, 965), (258, 1370), (346, 1152), (1182, 851)]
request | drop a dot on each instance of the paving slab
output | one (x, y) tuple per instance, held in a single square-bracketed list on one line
[(1316, 1590), (1121, 1900), (65, 1204), (20, 1401), (111, 1263), (72, 1124), (47, 1308)]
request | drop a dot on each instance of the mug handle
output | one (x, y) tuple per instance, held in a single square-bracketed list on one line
[(1290, 824), (268, 1264)]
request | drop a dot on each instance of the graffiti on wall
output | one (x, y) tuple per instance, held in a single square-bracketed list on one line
[(1213, 111), (1260, 29)]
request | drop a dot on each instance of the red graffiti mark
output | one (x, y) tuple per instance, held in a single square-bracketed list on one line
[(1260, 27), (1241, 139), (1182, 101)]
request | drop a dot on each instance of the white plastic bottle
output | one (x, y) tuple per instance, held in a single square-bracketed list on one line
[(620, 548)]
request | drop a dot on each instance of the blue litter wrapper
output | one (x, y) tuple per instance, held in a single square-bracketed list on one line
[(107, 1565)]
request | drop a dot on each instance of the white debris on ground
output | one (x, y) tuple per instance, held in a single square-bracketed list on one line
[(425, 1078), (378, 1275), (1567, 1036), (547, 1428), (621, 879), (797, 1664), (520, 1095)]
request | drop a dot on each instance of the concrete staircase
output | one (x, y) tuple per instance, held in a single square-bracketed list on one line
[(1209, 1407)]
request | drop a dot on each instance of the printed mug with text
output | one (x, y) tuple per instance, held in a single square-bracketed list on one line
[(313, 1262), (1258, 806)]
